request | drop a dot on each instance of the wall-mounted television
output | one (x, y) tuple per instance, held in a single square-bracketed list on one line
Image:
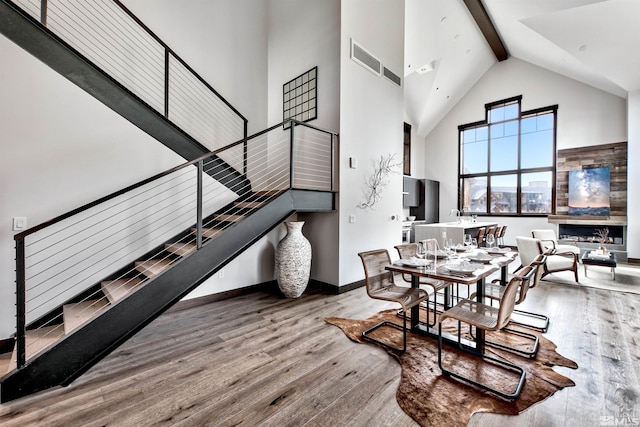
[(589, 192)]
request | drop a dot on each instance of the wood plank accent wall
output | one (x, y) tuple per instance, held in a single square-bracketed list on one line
[(613, 156)]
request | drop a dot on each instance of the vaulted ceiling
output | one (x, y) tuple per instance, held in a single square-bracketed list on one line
[(596, 42)]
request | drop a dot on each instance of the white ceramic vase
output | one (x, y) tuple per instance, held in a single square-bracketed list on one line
[(293, 261)]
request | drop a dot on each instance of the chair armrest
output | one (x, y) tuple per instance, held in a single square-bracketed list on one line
[(553, 243)]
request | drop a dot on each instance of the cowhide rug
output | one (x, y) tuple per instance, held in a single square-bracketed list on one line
[(432, 399)]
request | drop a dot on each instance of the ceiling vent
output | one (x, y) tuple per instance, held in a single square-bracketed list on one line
[(392, 77), (364, 58)]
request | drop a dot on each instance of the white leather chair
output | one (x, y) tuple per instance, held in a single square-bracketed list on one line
[(529, 248), (549, 240)]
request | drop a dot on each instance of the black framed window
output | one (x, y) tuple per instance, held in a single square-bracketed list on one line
[(299, 97), (507, 161)]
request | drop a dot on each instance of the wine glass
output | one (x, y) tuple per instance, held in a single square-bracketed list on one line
[(491, 240), (467, 241), (474, 244), (447, 247), (421, 252)]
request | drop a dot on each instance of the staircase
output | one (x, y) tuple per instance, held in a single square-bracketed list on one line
[(90, 279)]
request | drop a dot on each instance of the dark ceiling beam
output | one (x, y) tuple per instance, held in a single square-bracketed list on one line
[(487, 28)]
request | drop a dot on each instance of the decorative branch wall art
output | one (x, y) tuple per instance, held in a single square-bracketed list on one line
[(378, 180)]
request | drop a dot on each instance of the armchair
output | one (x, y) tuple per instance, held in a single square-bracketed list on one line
[(549, 240), (529, 248)]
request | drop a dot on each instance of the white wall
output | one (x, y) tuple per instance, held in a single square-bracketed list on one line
[(371, 125), (633, 176), (586, 116), (301, 38)]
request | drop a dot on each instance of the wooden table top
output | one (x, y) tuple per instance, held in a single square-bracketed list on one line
[(483, 270)]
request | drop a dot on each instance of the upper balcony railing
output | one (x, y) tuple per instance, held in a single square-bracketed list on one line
[(108, 35)]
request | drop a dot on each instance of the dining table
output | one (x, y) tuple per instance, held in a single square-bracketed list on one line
[(478, 267)]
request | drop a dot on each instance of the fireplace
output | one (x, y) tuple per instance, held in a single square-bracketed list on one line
[(584, 235), (587, 233)]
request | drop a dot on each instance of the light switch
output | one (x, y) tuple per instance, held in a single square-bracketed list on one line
[(19, 223), (353, 162), (352, 218)]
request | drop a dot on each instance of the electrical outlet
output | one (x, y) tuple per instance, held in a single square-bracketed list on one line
[(221, 274), (352, 218)]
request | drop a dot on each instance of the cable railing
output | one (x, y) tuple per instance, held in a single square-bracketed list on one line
[(88, 259), (109, 36)]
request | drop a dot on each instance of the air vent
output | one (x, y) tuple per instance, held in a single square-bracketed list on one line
[(364, 58), (392, 76)]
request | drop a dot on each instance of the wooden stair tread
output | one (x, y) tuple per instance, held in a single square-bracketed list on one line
[(115, 290), (208, 232), (36, 340), (182, 249), (228, 217), (76, 314), (249, 205), (152, 267), (263, 193), (5, 363)]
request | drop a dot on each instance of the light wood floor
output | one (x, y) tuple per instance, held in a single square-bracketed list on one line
[(260, 359)]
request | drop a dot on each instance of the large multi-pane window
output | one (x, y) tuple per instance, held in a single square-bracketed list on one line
[(507, 161)]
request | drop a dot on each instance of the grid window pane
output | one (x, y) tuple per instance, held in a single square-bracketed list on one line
[(475, 194), (504, 153), (536, 192), (475, 157), (504, 190), (537, 149)]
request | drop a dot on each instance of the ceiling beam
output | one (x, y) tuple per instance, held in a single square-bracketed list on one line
[(487, 28)]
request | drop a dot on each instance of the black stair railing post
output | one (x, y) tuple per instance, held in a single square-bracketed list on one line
[(291, 167), (245, 149), (199, 205), (21, 303), (333, 154), (166, 83), (43, 11)]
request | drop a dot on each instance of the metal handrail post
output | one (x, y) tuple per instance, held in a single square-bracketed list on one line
[(44, 6), (333, 160), (245, 158), (291, 172), (21, 304), (167, 58), (199, 206)]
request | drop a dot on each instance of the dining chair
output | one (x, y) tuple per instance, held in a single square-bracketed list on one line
[(408, 250), (490, 230), (494, 291), (529, 248), (380, 285), (500, 238), (481, 236), (487, 318)]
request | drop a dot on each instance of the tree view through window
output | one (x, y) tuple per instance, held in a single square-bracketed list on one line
[(507, 162)]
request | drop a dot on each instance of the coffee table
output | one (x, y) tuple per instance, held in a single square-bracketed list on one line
[(591, 258)]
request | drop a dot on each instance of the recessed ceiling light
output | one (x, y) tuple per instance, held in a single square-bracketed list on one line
[(582, 48), (443, 20)]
